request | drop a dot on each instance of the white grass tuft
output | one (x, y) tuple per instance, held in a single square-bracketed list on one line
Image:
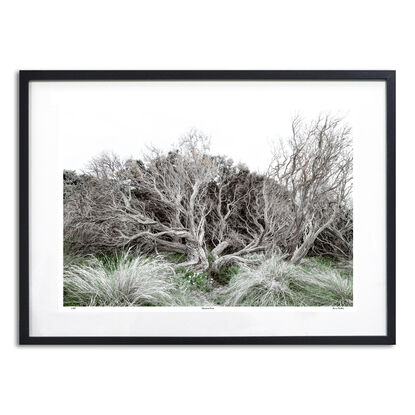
[(277, 282), (138, 281), (265, 285), (153, 281)]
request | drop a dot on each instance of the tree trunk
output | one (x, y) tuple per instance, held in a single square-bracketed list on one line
[(302, 250), (219, 263), (229, 259), (234, 258), (197, 257)]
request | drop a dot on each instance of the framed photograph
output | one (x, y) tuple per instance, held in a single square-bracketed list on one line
[(207, 207)]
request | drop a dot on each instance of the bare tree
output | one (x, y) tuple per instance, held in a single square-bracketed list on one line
[(248, 210), (315, 167), (189, 202), (336, 240), (163, 203), (184, 201)]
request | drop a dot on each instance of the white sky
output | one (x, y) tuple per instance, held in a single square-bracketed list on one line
[(242, 118)]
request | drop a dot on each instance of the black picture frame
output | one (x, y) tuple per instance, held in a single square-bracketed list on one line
[(28, 76)]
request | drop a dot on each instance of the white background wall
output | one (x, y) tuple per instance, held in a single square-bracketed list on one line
[(206, 35)]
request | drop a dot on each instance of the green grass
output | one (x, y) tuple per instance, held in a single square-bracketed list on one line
[(175, 258), (198, 281), (226, 273), (276, 282), (148, 280), (125, 281)]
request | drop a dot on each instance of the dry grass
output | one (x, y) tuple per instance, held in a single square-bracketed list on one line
[(280, 283), (125, 281), (154, 281)]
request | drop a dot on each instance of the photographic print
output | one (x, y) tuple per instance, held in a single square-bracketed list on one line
[(208, 194), (207, 207)]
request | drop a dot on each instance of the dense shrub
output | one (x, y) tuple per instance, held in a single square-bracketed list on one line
[(189, 202)]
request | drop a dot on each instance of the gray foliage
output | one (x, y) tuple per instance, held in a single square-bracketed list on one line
[(214, 212)]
